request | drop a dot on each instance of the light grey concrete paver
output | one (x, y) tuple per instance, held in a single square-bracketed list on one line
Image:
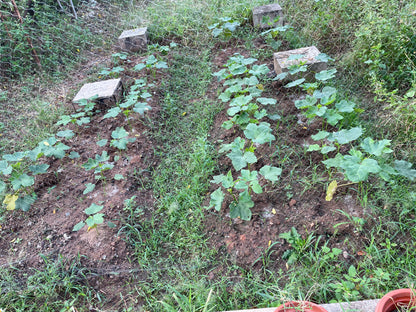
[(282, 60), (133, 40), (107, 91), (264, 16)]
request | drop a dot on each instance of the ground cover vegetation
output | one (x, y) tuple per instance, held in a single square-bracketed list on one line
[(213, 184)]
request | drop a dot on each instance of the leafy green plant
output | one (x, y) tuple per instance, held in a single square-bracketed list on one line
[(120, 138), (111, 72), (152, 63), (94, 218), (100, 164), (224, 28)]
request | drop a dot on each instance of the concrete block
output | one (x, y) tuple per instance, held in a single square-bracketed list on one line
[(133, 40), (263, 16), (282, 62), (108, 92)]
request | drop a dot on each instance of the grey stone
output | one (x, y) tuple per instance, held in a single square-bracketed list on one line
[(266, 14), (133, 40), (282, 62), (354, 306), (107, 92)]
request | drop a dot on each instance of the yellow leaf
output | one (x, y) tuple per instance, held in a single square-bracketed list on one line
[(184, 113), (330, 191), (270, 242), (46, 143), (273, 211), (10, 201), (260, 86)]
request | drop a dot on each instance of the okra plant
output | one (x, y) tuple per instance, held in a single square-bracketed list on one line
[(94, 218)]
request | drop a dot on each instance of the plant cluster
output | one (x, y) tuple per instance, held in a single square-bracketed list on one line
[(364, 157), (246, 110)]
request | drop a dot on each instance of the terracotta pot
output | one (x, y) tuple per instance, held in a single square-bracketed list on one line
[(297, 306), (397, 298)]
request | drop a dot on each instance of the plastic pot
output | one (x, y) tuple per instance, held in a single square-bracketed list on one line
[(396, 300), (298, 306)]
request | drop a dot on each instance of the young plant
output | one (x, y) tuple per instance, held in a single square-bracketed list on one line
[(120, 138), (111, 72), (224, 28), (99, 164), (152, 63), (94, 218)]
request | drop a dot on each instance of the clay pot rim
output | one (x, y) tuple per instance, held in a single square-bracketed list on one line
[(312, 307), (390, 300)]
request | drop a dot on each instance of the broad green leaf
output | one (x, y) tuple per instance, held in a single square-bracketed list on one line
[(330, 191), (234, 110), (95, 219), (10, 201), (103, 157), (119, 133), (74, 155), (24, 203), (237, 159), (260, 134), (306, 103), (151, 60), (274, 117), (320, 135), (141, 108), (281, 76), (38, 169), (22, 181), (294, 69), (334, 162), (318, 110), (113, 112), (326, 149), (3, 186), (225, 180), (237, 144), (139, 67), (357, 171), (313, 148), (325, 74), (93, 208), (67, 134), (5, 168), (145, 95), (90, 164), (326, 92), (376, 148), (89, 187), (346, 136), (102, 142), (250, 157), (78, 226), (64, 120), (237, 69), (258, 70), (241, 100), (404, 168), (332, 116), (161, 65), (260, 114), (227, 124), (255, 91), (386, 172), (271, 173), (121, 144), (266, 101), (83, 121), (217, 197), (242, 208), (345, 106), (323, 57), (18, 156), (295, 83)]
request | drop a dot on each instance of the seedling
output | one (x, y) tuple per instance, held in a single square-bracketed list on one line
[(225, 27), (120, 138), (94, 218)]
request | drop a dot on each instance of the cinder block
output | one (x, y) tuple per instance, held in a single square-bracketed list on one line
[(265, 16), (133, 40), (107, 92), (282, 61)]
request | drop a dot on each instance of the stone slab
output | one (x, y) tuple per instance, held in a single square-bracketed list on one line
[(107, 92), (263, 15), (133, 40), (282, 62), (354, 306)]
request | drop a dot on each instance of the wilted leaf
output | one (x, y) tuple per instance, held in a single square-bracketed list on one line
[(330, 191)]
